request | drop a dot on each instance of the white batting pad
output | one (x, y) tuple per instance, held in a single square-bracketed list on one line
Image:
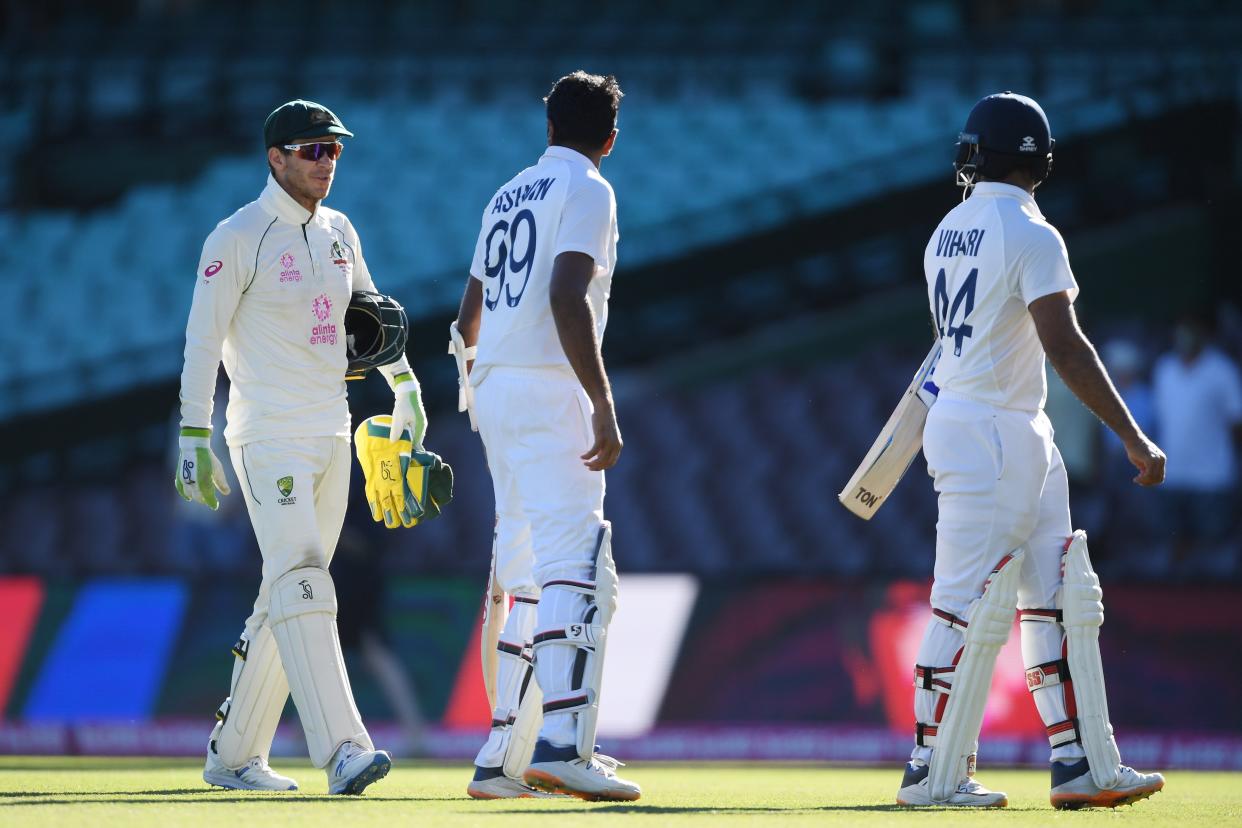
[(249, 716), (525, 730), (606, 583), (1082, 610), (303, 619), (988, 623), (578, 646)]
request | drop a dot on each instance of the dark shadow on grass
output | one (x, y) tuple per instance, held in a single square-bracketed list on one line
[(94, 763), (137, 798), (600, 808), (144, 792)]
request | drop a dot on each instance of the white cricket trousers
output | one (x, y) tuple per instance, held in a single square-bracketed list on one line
[(295, 491), (1001, 486), (302, 527), (536, 424)]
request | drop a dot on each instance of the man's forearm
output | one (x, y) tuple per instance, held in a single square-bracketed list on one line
[(575, 326), (1080, 369), (470, 313)]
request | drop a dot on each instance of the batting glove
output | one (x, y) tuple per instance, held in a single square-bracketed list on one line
[(408, 411), (199, 472)]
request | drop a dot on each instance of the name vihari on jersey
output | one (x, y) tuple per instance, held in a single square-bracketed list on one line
[(959, 243), (534, 191)]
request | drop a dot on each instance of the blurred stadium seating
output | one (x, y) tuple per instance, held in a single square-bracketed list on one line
[(686, 177), (770, 166)]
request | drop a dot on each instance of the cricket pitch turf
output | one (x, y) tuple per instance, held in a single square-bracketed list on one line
[(67, 791)]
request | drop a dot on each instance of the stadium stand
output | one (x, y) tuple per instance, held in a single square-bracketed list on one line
[(790, 122), (415, 181)]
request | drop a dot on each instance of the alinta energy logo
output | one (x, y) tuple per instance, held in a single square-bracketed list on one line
[(212, 269), (289, 273), (325, 332)]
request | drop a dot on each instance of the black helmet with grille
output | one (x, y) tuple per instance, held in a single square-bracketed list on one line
[(375, 332)]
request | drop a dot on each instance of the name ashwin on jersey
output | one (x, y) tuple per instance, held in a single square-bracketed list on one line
[(535, 191), (959, 243)]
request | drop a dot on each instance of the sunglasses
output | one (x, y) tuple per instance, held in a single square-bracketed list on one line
[(313, 152)]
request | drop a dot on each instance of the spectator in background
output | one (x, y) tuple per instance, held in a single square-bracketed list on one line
[(1198, 406)]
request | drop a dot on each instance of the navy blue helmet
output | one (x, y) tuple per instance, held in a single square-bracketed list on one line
[(1003, 132)]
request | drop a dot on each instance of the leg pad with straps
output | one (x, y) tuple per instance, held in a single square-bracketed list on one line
[(303, 619), (589, 637), (987, 629), (248, 718), (1083, 613)]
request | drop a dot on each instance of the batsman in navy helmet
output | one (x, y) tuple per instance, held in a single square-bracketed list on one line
[(1004, 132), (1001, 294)]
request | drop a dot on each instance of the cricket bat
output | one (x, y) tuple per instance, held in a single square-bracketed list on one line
[(893, 451)]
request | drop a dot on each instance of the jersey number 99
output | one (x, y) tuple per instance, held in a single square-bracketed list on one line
[(507, 265)]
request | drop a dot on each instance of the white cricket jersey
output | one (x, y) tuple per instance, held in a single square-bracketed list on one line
[(273, 284), (992, 256), (562, 204)]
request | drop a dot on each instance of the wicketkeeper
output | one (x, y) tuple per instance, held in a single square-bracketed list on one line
[(271, 298)]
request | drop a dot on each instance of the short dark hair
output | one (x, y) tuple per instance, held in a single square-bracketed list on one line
[(583, 108)]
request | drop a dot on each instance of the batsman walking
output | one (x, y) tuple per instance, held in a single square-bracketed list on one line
[(535, 308), (1002, 293), (273, 287)]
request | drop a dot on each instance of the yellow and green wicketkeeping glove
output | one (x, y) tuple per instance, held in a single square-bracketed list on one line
[(429, 482), (199, 472), (404, 486), (384, 463)]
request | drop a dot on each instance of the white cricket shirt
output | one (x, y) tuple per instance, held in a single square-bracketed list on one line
[(990, 258), (562, 204), (1197, 406), (273, 284)]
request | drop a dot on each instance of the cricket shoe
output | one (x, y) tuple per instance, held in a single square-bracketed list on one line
[(354, 767), (1073, 787), (255, 775), (491, 783), (915, 791), (562, 770)]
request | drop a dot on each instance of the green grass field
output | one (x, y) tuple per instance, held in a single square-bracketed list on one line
[(139, 792)]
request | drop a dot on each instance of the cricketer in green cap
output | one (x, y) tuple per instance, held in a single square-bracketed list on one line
[(303, 143), (301, 119)]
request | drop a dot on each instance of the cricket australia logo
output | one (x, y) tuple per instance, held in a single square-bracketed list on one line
[(338, 258), (307, 592), (289, 273), (285, 486), (325, 332), (1027, 145)]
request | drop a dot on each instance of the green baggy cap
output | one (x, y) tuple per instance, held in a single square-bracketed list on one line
[(300, 119)]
